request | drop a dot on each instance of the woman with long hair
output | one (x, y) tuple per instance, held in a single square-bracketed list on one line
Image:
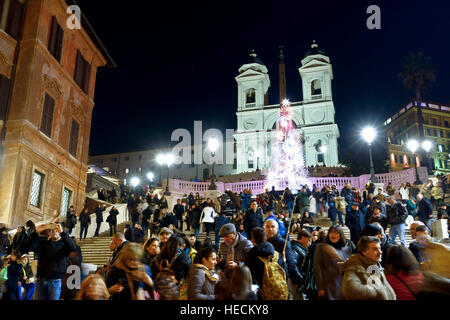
[(150, 256), (326, 257), (93, 288), (240, 284), (202, 276), (403, 273), (128, 277), (178, 259)]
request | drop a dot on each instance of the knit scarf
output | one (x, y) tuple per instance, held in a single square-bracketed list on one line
[(210, 274), (122, 266), (230, 252)]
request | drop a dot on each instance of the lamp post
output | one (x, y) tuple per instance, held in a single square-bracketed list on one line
[(166, 159), (323, 149), (413, 145), (427, 145), (257, 155), (369, 134), (213, 144)]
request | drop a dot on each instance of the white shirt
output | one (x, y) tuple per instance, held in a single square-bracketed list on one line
[(207, 215)]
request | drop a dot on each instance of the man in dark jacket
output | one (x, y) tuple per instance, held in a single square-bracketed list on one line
[(278, 242), (260, 249), (146, 217), (352, 221), (131, 206), (167, 218), (425, 210), (196, 212), (218, 224), (137, 234), (4, 243), (52, 262), (299, 248), (374, 215), (252, 219), (99, 217), (178, 209), (396, 215), (347, 193)]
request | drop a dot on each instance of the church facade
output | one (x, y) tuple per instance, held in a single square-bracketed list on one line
[(313, 116)]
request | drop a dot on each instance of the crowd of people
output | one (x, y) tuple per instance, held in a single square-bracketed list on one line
[(159, 256)]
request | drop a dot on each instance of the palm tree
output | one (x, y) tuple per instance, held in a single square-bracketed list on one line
[(418, 75)]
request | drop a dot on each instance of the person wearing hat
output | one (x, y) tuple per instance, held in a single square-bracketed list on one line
[(164, 235), (353, 221), (234, 248)]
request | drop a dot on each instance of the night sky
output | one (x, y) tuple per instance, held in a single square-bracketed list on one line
[(177, 61)]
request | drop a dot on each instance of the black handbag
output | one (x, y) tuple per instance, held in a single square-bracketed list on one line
[(308, 285)]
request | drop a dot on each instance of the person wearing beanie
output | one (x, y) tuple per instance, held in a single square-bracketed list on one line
[(233, 250)]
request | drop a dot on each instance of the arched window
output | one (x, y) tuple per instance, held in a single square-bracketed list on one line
[(316, 88), (250, 96)]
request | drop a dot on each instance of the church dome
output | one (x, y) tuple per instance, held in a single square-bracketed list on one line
[(314, 50), (253, 58)]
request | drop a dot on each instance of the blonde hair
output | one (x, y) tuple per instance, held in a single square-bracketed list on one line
[(87, 282), (130, 251)]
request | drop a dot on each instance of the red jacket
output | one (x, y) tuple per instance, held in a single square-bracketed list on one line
[(414, 282)]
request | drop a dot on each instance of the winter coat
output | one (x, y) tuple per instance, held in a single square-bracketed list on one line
[(352, 222), (326, 271), (112, 218), (437, 193), (4, 241), (85, 219), (252, 220), (341, 204), (413, 282), (146, 216), (137, 234), (425, 209), (411, 208), (201, 283), (299, 256), (396, 214), (117, 274), (195, 216), (404, 193), (381, 219), (312, 205), (15, 274), (99, 214), (52, 262), (241, 250), (278, 243), (256, 266), (390, 190), (178, 209), (219, 222), (167, 220), (71, 220), (348, 195), (355, 280), (207, 215)]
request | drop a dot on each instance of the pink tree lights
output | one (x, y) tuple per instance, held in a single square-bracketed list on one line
[(288, 163)]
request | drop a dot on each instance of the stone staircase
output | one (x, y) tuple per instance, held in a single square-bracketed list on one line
[(96, 250)]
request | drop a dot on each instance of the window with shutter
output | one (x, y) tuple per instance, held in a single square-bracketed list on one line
[(4, 92), (56, 39), (14, 19), (73, 145), (47, 116), (82, 72)]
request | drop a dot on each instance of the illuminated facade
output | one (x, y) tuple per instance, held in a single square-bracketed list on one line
[(404, 125)]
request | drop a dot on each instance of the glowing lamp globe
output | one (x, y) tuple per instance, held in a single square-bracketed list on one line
[(412, 145), (134, 182), (160, 159), (427, 145), (150, 176), (369, 134), (170, 159), (213, 144)]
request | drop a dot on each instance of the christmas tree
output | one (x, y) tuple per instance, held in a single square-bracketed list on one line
[(288, 163)]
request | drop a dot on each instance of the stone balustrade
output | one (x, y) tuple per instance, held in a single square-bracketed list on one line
[(396, 178)]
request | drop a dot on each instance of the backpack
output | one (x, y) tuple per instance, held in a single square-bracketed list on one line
[(166, 285), (274, 285)]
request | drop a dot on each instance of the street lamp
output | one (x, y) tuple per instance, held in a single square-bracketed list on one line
[(369, 134), (213, 144), (166, 159), (258, 154), (160, 160), (323, 149), (150, 176), (134, 182), (427, 145), (413, 145)]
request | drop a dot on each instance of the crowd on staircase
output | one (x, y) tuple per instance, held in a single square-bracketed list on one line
[(266, 247)]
